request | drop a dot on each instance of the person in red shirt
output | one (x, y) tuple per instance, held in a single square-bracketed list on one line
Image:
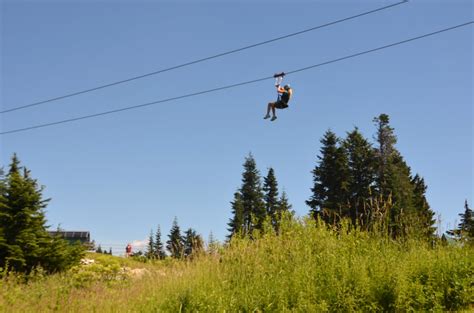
[(128, 250)]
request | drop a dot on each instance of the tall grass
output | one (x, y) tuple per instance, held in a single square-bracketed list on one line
[(306, 268)]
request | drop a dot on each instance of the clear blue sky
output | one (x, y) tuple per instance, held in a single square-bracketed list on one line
[(121, 175)]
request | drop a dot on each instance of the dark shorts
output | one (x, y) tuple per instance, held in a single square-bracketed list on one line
[(280, 104)]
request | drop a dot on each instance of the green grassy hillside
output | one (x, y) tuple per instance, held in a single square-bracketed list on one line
[(307, 268)]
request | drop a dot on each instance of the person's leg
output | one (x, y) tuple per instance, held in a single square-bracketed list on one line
[(274, 115), (271, 106), (276, 105), (268, 110)]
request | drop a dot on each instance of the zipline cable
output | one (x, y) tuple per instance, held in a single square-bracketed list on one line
[(237, 84), (201, 60)]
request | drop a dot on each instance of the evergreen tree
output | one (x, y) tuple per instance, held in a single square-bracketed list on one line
[(188, 241), (25, 231), (426, 216), (283, 207), (386, 140), (150, 252), (25, 242), (192, 243), (158, 248), (398, 186), (362, 172), (270, 187), (175, 243), (212, 244), (393, 176), (284, 204), (4, 217), (465, 229), (236, 223), (331, 181), (410, 211), (99, 249), (198, 244), (252, 197), (467, 222)]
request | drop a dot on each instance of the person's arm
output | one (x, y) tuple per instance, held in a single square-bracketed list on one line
[(280, 89)]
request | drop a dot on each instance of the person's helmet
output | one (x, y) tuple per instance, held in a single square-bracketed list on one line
[(287, 87)]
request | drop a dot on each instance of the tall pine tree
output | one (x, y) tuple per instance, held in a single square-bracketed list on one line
[(426, 216), (385, 150), (150, 252), (410, 212), (158, 245), (283, 207), (465, 229), (189, 236), (236, 223), (270, 187), (252, 196), (249, 206), (193, 243), (284, 204), (4, 217), (175, 242), (212, 244), (331, 181), (393, 176), (362, 172)]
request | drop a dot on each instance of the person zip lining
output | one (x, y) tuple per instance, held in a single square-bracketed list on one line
[(284, 96)]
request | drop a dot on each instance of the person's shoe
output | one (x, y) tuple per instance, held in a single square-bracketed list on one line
[(266, 116), (273, 118)]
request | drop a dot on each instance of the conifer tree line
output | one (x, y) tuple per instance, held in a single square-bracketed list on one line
[(255, 202), (24, 239), (369, 182), (179, 246), (365, 182), (103, 251)]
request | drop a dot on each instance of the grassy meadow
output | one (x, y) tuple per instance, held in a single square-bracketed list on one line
[(307, 268)]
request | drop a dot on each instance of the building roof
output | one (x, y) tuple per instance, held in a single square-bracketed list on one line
[(71, 234)]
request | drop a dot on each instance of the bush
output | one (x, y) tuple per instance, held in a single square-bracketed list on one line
[(85, 275)]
